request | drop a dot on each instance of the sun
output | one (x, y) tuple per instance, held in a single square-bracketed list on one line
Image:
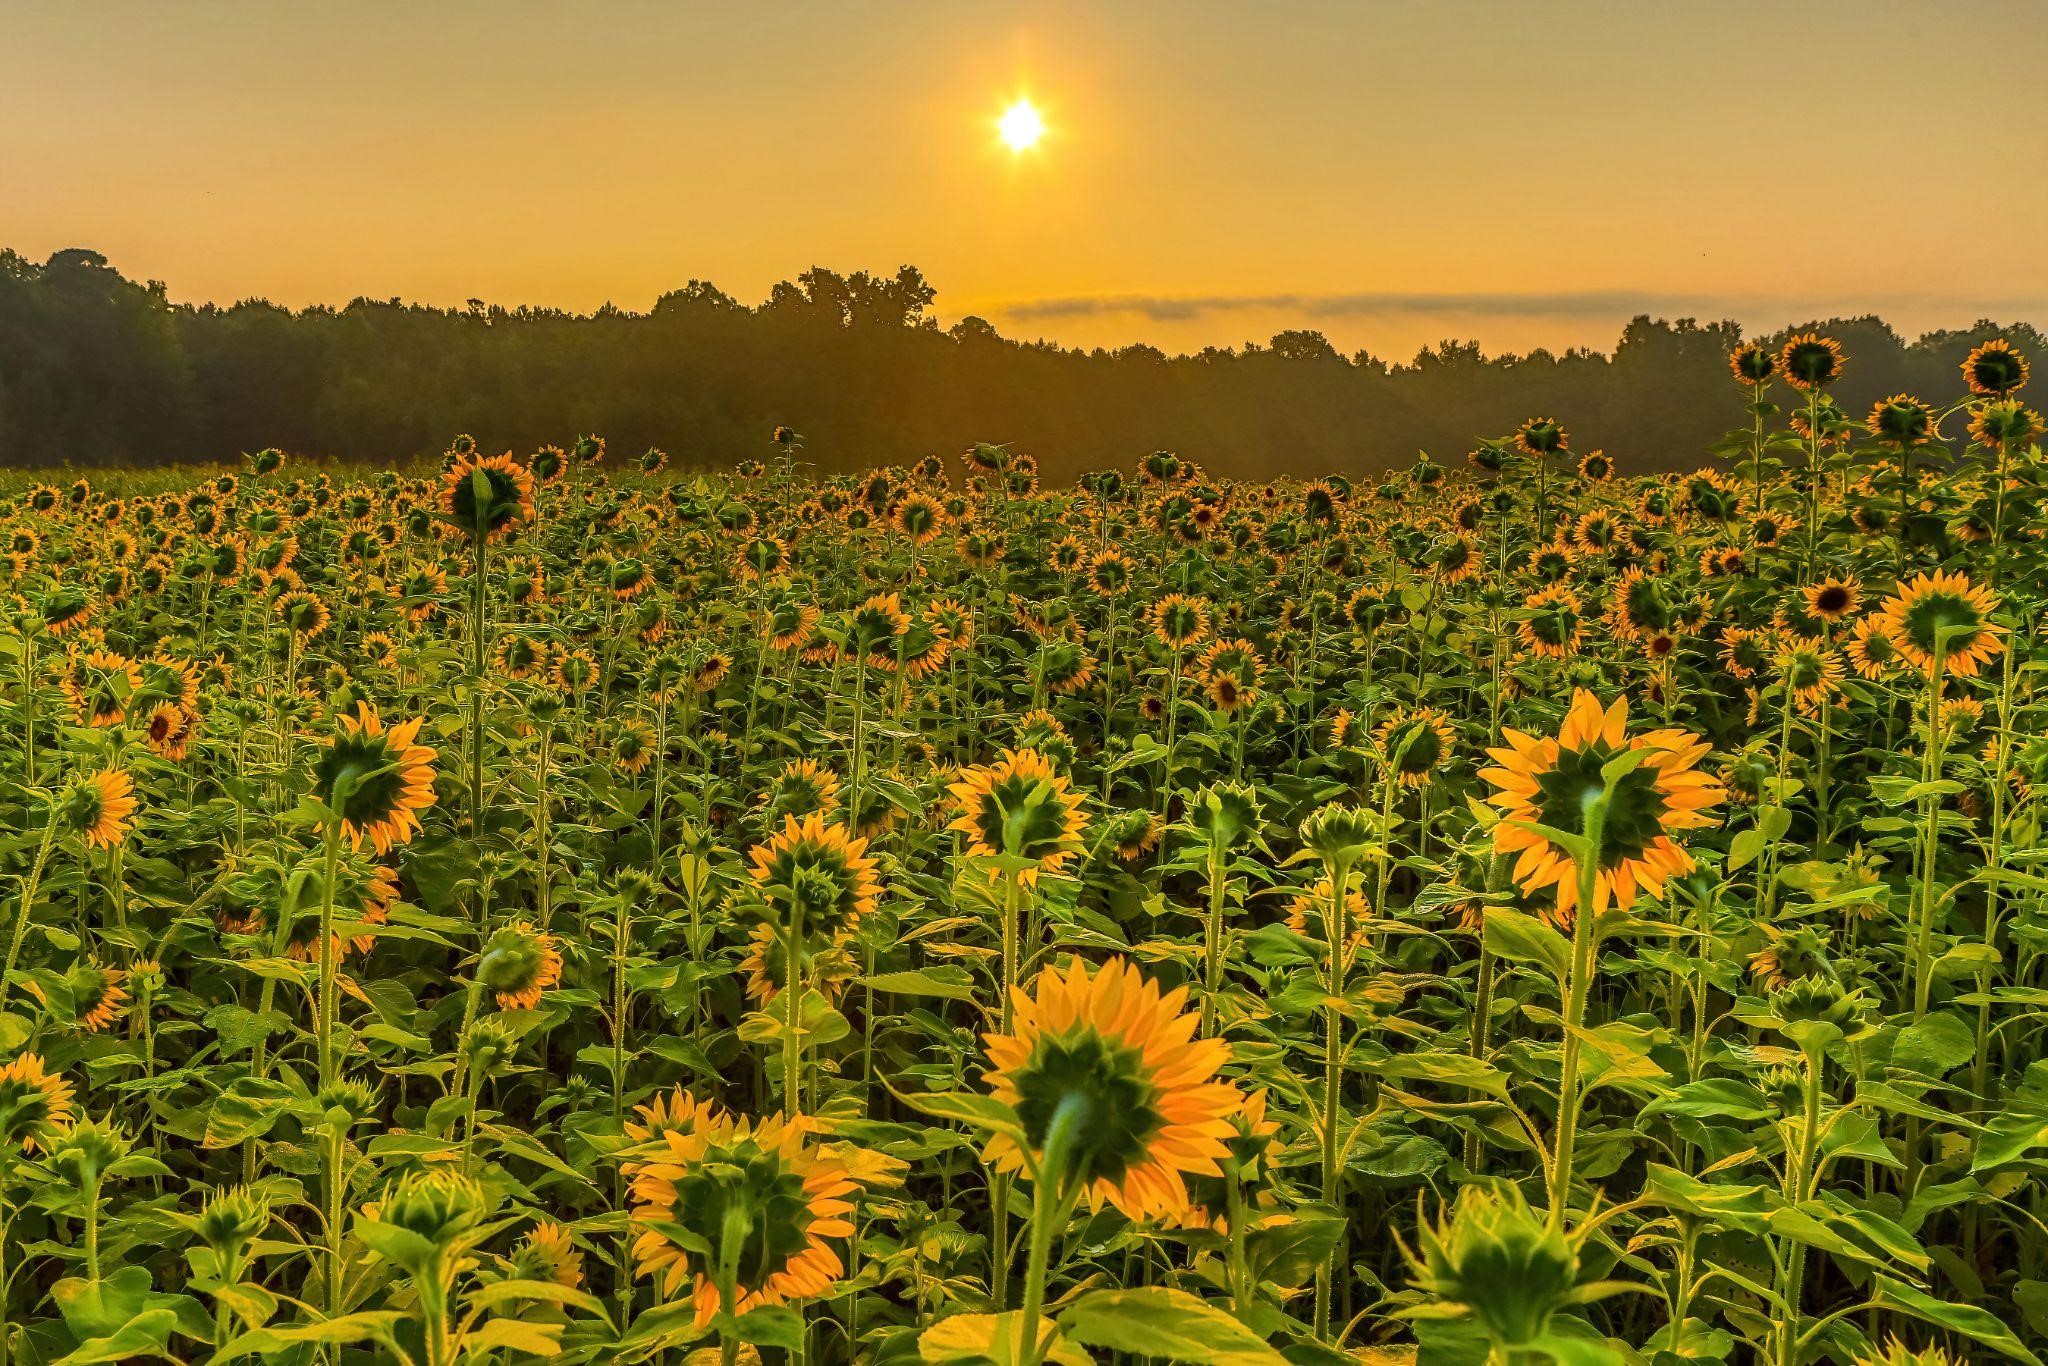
[(1021, 126)]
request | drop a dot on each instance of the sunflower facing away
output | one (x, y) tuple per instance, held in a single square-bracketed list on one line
[(377, 780), (719, 1176), (32, 1100), (1020, 806), (1946, 611), (100, 808), (1546, 781), (487, 496), (823, 867), (1152, 1112)]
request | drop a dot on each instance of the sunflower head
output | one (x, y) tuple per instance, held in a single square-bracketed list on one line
[(1816, 1009), (2005, 425), (1225, 814), (1339, 834), (100, 808), (1540, 437), (1180, 620), (1811, 361), (440, 1208), (376, 780), (1753, 363), (80, 1152), (486, 497), (816, 870), (1995, 369), (549, 1254), (1945, 615), (1902, 421), (756, 1199), (1493, 1259), (230, 1221), (1019, 808), (519, 963), (33, 1101), (1113, 1060), (1415, 742), (1555, 782)]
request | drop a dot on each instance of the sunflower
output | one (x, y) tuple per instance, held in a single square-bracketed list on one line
[(1752, 363), (1340, 727), (628, 577), (376, 780), (2005, 425), (1833, 598), (100, 808), (1134, 834), (1540, 437), (1548, 781), (1808, 670), (1109, 574), (33, 1101), (804, 787), (1745, 653), (574, 671), (517, 655), (953, 618), (518, 964), (790, 624), (1234, 662), (168, 732), (486, 496), (1870, 650), (1065, 668), (98, 997), (1644, 604), (99, 684), (303, 614), (1415, 742), (1180, 621), (633, 746), (723, 1172), (820, 868), (379, 650), (874, 626), (1554, 623), (827, 964), (1994, 369), (1552, 563), (548, 1254), (920, 519), (1019, 806), (1901, 421), (1811, 361), (1947, 612), (1308, 910), (1108, 1051), (711, 670)]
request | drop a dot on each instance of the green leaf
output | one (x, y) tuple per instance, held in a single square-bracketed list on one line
[(1966, 1319), (984, 1339), (1525, 939), (1155, 1321), (2022, 1125)]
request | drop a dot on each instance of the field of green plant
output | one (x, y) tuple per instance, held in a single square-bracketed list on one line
[(1517, 911)]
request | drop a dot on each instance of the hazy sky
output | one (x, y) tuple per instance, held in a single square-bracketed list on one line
[(1524, 173)]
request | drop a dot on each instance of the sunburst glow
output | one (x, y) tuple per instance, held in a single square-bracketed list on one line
[(1021, 126)]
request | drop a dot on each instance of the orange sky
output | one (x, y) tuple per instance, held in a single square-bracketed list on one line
[(1526, 174)]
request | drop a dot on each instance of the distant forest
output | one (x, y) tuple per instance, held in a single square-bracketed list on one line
[(99, 370)]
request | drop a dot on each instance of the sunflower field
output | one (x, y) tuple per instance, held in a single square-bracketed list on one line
[(559, 907)]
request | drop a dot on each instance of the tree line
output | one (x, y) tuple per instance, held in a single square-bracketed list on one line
[(97, 370)]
